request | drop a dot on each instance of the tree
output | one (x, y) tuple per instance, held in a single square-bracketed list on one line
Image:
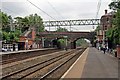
[(61, 43), (118, 26), (114, 5), (23, 24), (31, 21), (19, 22), (81, 42), (4, 21), (7, 34), (113, 34), (11, 36)]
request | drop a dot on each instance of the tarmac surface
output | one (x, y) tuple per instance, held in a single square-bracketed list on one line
[(94, 64)]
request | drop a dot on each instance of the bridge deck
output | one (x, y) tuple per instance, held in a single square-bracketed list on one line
[(93, 64)]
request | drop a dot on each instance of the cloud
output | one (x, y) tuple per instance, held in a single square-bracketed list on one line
[(14, 8), (69, 9)]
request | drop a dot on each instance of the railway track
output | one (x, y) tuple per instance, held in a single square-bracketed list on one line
[(53, 73), (7, 59), (55, 62), (16, 72)]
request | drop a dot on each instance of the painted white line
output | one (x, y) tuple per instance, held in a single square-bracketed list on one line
[(73, 65)]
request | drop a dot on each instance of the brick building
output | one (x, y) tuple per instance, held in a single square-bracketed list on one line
[(27, 41), (105, 24)]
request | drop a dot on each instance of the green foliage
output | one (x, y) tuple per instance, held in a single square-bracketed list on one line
[(97, 29), (4, 20), (11, 36), (109, 33), (23, 24), (118, 19), (62, 43), (81, 42), (113, 34), (117, 28), (6, 36), (61, 29), (31, 21), (115, 5)]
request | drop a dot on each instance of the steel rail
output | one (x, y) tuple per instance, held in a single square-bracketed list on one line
[(19, 71), (54, 69)]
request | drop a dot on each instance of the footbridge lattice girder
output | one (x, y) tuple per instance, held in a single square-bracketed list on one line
[(72, 22)]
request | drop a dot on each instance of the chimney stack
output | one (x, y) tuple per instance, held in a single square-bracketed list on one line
[(106, 11)]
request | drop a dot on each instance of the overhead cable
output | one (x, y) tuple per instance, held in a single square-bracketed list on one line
[(41, 9)]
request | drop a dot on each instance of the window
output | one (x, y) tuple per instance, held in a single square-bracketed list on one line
[(107, 19), (105, 27)]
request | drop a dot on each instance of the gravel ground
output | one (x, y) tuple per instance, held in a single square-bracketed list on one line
[(63, 69), (34, 69), (40, 73), (23, 65), (8, 58)]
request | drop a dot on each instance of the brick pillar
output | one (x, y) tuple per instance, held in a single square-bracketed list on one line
[(33, 34), (118, 51), (73, 45)]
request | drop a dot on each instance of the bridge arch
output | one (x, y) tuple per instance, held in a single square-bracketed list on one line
[(71, 36), (74, 43)]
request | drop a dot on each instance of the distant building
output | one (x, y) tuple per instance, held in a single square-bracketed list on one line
[(105, 24)]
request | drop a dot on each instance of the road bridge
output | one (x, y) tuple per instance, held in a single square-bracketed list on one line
[(71, 36)]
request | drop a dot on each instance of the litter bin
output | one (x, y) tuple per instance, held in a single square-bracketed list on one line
[(118, 51)]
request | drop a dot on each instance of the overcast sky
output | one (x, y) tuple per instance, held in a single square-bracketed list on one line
[(58, 9)]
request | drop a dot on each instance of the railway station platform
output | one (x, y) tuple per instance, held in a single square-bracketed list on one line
[(93, 64), (23, 51)]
